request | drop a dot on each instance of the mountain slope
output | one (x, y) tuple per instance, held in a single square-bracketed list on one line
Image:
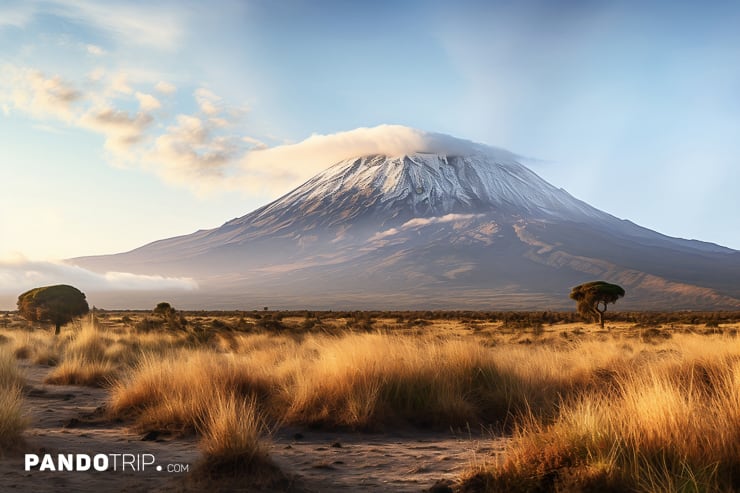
[(435, 230)]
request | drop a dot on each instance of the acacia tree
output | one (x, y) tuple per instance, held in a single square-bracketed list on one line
[(58, 304), (164, 309), (590, 297)]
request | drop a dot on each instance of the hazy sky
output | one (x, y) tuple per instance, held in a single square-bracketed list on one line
[(122, 122)]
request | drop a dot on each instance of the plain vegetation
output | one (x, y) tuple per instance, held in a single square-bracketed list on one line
[(652, 403), (12, 422)]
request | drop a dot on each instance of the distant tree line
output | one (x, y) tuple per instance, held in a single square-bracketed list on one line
[(509, 318)]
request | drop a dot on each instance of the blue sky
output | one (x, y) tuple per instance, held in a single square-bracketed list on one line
[(122, 122)]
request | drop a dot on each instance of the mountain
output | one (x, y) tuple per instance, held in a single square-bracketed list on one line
[(473, 229)]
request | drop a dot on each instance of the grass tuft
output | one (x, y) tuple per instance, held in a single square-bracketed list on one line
[(231, 435), (12, 421), (78, 370)]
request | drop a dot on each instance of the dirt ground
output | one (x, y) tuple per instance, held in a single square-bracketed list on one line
[(67, 420), (409, 461)]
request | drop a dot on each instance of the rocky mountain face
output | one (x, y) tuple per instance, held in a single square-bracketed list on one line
[(476, 230)]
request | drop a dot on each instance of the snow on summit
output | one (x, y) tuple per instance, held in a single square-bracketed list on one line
[(379, 189), (290, 165), (446, 183), (428, 173)]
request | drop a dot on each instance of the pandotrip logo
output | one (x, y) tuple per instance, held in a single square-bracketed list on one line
[(100, 462)]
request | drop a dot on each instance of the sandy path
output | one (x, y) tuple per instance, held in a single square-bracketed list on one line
[(317, 461), (58, 415), (404, 462)]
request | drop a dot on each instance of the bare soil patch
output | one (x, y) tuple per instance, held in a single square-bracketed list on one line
[(408, 461), (67, 419)]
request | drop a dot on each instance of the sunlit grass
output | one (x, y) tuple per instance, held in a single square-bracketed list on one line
[(231, 431), (12, 421), (176, 392), (637, 408), (670, 421), (78, 370)]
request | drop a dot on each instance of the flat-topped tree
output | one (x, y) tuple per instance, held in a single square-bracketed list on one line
[(58, 304), (591, 296), (164, 310)]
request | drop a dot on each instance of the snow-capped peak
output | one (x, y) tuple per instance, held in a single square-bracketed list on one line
[(383, 191), (292, 164)]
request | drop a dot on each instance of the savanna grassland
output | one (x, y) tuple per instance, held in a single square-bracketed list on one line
[(652, 403)]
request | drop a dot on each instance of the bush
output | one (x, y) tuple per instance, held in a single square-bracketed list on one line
[(148, 324), (271, 322)]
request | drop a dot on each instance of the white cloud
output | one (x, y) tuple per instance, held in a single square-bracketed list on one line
[(207, 101), (145, 24), (120, 128), (19, 274), (95, 50), (147, 102), (191, 154), (151, 25), (255, 143), (289, 165), (390, 140), (119, 83), (384, 234), (206, 152), (96, 74), (419, 222), (165, 87), (219, 122), (198, 152), (32, 92), (112, 118)]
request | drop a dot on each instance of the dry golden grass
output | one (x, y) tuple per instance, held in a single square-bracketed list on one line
[(94, 354), (12, 421), (233, 448), (89, 343), (84, 359), (357, 381), (176, 392), (666, 419), (639, 407), (37, 346), (10, 375), (369, 380), (78, 370), (231, 434)]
